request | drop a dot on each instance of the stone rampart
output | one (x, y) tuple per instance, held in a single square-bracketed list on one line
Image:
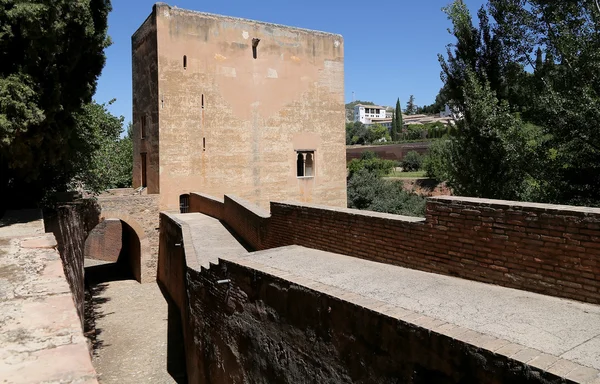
[(244, 322), (548, 249)]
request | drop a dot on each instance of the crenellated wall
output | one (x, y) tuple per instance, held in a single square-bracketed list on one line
[(548, 249)]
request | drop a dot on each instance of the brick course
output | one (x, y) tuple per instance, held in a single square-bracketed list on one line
[(542, 248)]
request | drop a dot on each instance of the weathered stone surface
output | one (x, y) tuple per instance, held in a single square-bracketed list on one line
[(41, 338), (218, 120)]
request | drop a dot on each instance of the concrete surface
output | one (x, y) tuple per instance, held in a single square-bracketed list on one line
[(558, 327), (27, 222), (131, 331), (211, 239), (41, 339)]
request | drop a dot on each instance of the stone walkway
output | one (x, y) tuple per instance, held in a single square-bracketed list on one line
[(130, 329), (566, 329)]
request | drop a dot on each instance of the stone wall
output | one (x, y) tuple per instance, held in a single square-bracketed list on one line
[(265, 328), (548, 249), (74, 222), (231, 121), (141, 214)]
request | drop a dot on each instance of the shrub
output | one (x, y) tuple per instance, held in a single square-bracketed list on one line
[(411, 162)]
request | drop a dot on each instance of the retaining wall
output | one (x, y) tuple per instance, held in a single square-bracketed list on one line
[(548, 249)]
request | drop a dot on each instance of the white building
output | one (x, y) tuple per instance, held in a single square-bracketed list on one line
[(365, 113)]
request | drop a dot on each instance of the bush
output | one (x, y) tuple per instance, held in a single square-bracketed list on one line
[(367, 190), (372, 163), (411, 162), (436, 162)]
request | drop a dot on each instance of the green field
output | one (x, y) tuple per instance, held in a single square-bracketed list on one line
[(407, 174)]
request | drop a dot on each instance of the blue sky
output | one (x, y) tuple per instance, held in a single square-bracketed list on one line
[(391, 46)]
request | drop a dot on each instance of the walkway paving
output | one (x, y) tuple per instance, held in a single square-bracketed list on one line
[(41, 339), (559, 327), (131, 329), (212, 240)]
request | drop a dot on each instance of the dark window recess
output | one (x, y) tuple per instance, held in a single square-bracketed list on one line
[(184, 203), (255, 42), (184, 62), (144, 179), (204, 143), (143, 127), (202, 101)]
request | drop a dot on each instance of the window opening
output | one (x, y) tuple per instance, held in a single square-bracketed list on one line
[(255, 42), (204, 143), (184, 203), (202, 102), (143, 126), (184, 62), (305, 164), (144, 179)]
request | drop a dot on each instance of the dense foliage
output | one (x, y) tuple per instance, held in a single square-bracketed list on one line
[(411, 162), (527, 82), (358, 133), (51, 54), (368, 190), (109, 163)]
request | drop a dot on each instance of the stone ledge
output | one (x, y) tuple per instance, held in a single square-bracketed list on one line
[(536, 360)]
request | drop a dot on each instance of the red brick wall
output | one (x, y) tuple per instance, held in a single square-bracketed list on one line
[(388, 152), (209, 205), (104, 242), (553, 250)]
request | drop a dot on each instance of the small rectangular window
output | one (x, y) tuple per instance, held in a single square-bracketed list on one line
[(144, 168), (143, 127), (305, 164)]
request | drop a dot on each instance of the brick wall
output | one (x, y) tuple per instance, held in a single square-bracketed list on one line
[(105, 241), (264, 328), (73, 223), (547, 249), (141, 214), (388, 152)]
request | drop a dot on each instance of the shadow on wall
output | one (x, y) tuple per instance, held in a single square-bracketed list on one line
[(116, 242)]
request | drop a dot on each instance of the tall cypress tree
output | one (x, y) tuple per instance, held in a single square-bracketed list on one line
[(397, 123)]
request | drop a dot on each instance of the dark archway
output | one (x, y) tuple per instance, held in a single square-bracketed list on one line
[(114, 249)]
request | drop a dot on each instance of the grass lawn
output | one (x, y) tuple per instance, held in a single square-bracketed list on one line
[(406, 174)]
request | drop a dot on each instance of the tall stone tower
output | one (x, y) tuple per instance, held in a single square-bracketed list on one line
[(223, 105)]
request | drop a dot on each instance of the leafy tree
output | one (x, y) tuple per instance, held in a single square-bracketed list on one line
[(51, 54), (356, 133), (411, 162), (411, 107), (373, 164), (525, 135), (109, 163), (377, 133)]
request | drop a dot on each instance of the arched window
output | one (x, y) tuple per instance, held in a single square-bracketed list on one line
[(305, 164), (300, 165), (308, 164)]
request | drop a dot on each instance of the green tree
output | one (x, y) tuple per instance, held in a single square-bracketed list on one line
[(397, 123), (411, 162), (377, 133), (525, 135), (109, 163), (411, 107), (51, 54)]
